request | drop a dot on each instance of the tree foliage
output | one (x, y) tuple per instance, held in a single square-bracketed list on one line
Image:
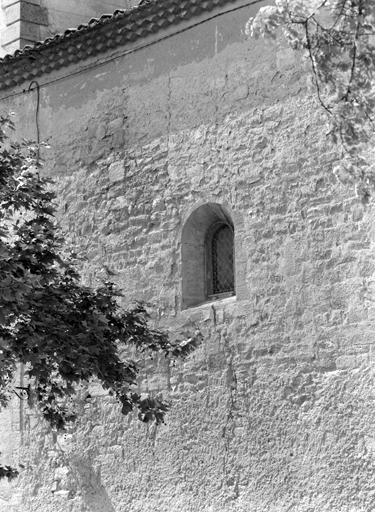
[(61, 332), (338, 39)]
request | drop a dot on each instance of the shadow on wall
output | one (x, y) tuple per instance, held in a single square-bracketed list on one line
[(98, 500), (93, 492)]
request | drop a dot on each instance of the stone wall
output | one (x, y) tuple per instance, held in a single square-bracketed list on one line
[(274, 412)]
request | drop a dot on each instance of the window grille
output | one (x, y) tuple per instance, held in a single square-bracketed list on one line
[(222, 261)]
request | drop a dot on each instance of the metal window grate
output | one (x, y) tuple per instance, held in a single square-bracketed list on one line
[(222, 260)]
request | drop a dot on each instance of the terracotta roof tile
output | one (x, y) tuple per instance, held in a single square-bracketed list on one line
[(97, 36)]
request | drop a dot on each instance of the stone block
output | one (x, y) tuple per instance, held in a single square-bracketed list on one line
[(116, 172), (241, 92), (101, 131), (347, 361), (16, 44), (77, 206), (114, 125), (118, 138), (20, 30), (158, 205), (25, 11), (357, 214)]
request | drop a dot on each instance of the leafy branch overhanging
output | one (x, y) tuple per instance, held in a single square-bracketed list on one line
[(61, 332), (338, 38)]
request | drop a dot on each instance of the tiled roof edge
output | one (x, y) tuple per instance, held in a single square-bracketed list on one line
[(98, 36)]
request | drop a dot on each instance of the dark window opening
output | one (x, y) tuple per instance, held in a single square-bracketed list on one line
[(222, 260)]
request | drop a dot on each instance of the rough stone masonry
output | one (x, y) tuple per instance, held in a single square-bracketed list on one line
[(275, 411)]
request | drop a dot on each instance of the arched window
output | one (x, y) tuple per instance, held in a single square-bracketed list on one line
[(207, 253)]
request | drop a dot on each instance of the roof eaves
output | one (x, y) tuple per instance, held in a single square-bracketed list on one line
[(110, 31)]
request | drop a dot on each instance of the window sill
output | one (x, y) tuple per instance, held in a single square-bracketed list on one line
[(220, 296), (219, 299)]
